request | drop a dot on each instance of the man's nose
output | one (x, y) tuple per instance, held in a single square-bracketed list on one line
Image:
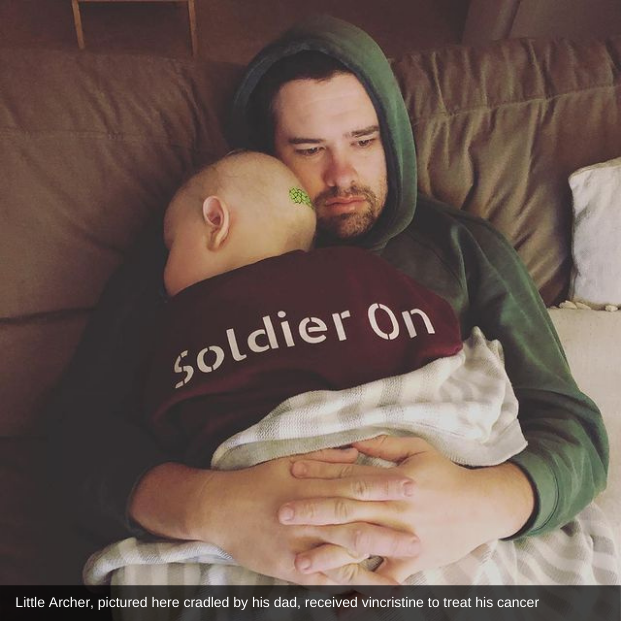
[(340, 171)]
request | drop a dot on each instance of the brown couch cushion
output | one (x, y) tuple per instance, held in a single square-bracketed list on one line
[(500, 128), (91, 146)]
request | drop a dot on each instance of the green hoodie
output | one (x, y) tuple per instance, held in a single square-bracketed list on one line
[(458, 256), (466, 261)]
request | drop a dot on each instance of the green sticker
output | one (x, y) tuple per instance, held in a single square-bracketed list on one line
[(300, 197)]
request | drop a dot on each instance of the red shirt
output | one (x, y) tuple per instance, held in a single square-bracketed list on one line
[(235, 346)]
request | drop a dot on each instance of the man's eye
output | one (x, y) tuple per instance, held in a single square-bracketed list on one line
[(365, 142), (309, 151)]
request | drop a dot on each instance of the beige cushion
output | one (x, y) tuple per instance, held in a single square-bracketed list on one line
[(499, 129), (596, 276), (592, 342)]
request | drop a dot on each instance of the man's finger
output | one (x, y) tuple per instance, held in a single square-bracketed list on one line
[(332, 455), (358, 540), (356, 574), (393, 448), (358, 482), (316, 579), (337, 510), (399, 570), (312, 469), (328, 556), (305, 468)]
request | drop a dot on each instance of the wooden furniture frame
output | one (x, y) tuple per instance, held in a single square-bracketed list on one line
[(77, 18)]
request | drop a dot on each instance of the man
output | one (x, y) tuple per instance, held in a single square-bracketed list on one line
[(343, 128)]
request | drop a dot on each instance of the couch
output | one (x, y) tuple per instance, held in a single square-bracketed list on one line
[(93, 145)]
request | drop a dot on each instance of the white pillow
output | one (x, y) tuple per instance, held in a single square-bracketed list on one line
[(596, 275)]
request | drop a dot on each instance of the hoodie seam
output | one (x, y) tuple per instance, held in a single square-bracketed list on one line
[(449, 268)]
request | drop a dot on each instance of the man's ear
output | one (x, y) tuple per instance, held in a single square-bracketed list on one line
[(218, 220)]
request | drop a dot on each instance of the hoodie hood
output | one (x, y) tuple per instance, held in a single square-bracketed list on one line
[(362, 56)]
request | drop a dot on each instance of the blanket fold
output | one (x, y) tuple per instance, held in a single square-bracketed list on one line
[(463, 405)]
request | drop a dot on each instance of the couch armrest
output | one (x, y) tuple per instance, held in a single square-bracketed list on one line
[(592, 342)]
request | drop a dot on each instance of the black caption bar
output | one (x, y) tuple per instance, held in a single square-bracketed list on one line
[(291, 603)]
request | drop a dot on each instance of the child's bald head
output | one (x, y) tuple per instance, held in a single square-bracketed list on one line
[(246, 207), (255, 186)]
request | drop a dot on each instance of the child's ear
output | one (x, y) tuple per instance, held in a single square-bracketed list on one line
[(217, 219)]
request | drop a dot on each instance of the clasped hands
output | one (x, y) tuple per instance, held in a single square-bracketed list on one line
[(422, 513)]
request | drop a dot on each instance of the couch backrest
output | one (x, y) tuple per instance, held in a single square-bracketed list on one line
[(92, 145), (500, 128)]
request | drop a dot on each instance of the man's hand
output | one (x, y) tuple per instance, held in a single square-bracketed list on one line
[(452, 510), (238, 511)]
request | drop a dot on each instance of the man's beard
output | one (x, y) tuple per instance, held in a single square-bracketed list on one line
[(347, 225)]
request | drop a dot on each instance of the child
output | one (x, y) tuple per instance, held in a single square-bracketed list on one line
[(256, 316)]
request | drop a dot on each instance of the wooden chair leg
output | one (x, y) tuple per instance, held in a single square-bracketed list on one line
[(77, 19), (192, 20)]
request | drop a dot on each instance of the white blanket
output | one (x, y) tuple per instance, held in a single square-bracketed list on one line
[(463, 405)]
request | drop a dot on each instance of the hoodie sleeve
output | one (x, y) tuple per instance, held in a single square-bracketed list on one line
[(567, 454), (98, 450)]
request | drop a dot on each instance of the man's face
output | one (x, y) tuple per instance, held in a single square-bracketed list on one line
[(328, 133)]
